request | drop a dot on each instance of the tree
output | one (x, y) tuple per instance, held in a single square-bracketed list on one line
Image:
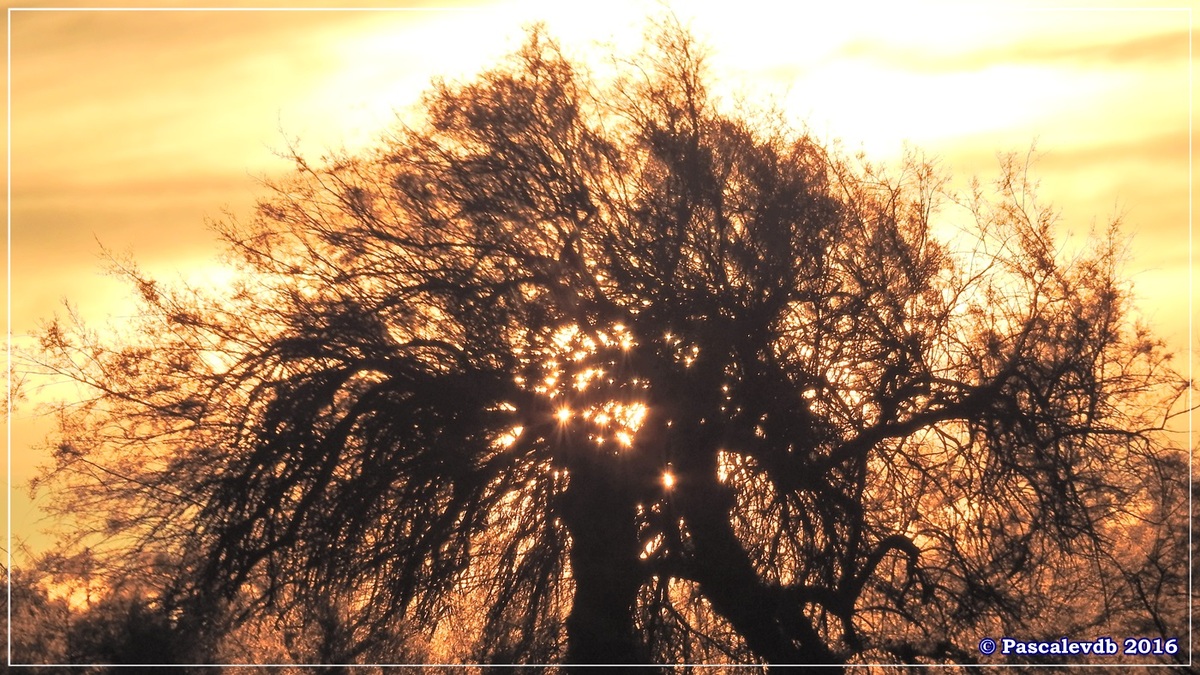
[(118, 627), (38, 623), (612, 373)]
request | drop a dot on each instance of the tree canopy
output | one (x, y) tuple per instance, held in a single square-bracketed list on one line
[(567, 370)]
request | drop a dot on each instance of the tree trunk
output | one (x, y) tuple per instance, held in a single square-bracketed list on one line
[(599, 514), (777, 632)]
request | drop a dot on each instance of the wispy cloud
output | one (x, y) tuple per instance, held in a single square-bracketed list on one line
[(1170, 48)]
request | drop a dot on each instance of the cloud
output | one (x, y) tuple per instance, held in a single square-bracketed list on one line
[(1167, 151), (1152, 50)]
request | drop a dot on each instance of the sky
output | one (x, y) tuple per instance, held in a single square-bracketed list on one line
[(132, 130)]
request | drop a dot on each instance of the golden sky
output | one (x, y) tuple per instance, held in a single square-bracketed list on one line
[(131, 128)]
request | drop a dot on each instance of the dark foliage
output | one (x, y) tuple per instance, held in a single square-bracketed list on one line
[(117, 627)]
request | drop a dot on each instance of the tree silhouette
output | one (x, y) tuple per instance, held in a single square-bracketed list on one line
[(614, 373), (117, 626), (39, 625)]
